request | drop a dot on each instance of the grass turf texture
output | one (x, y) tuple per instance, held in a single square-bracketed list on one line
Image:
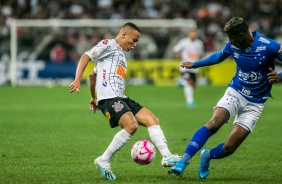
[(48, 135)]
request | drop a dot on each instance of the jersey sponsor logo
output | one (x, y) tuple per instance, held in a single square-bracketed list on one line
[(236, 55), (104, 82), (121, 71), (105, 42), (117, 106), (103, 51), (246, 91), (193, 56), (261, 39), (249, 76), (108, 116), (260, 48)]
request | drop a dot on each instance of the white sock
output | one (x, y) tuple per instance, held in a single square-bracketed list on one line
[(157, 136), (189, 93), (119, 140)]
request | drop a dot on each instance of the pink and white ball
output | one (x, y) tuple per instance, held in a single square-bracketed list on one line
[(143, 152)]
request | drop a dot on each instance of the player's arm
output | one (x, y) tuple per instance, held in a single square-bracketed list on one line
[(82, 63), (177, 55), (274, 77), (92, 84), (214, 58)]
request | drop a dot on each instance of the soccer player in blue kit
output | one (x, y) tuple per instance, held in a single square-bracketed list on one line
[(244, 97)]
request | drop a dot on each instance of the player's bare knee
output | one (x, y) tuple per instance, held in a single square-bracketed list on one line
[(154, 121), (131, 128), (151, 122), (214, 124)]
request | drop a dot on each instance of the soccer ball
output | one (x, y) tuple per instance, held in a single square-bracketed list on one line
[(143, 152)]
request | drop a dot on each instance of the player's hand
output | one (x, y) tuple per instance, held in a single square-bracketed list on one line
[(92, 106), (273, 77), (75, 86), (187, 65)]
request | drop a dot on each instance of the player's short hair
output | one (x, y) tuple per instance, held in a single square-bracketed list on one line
[(236, 25), (132, 26)]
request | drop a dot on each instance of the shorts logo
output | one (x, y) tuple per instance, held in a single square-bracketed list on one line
[(118, 106), (108, 116)]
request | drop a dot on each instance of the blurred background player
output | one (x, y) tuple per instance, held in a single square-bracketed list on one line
[(107, 87), (244, 97), (189, 49)]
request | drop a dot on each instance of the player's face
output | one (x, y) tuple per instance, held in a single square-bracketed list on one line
[(239, 40), (192, 34), (131, 38)]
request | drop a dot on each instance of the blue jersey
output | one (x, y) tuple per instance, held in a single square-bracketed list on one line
[(252, 67)]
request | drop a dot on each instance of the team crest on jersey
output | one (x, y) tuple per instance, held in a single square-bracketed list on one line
[(280, 49), (117, 106), (108, 116)]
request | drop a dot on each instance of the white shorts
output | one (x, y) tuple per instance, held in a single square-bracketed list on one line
[(247, 113)]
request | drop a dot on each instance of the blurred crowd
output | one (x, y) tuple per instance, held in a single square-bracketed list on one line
[(210, 15)]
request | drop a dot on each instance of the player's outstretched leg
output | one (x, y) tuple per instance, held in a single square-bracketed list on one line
[(203, 170), (178, 168), (170, 161), (105, 169)]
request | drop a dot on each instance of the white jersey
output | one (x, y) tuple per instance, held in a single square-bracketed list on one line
[(110, 69), (190, 51)]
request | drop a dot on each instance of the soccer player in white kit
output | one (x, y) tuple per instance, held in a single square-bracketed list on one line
[(107, 87), (189, 49)]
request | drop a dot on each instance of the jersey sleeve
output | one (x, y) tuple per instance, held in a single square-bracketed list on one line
[(177, 47), (98, 50), (279, 56), (227, 48), (214, 58)]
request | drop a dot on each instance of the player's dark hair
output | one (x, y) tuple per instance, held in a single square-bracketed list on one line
[(236, 25), (132, 26)]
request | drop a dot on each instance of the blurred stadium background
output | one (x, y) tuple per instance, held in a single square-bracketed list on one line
[(48, 135), (41, 40)]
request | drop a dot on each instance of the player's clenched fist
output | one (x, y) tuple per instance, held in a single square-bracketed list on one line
[(187, 65)]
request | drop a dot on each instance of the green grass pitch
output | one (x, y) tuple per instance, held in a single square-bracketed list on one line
[(48, 135)]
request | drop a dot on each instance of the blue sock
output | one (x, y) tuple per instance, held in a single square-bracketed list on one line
[(217, 153), (185, 158), (197, 142)]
